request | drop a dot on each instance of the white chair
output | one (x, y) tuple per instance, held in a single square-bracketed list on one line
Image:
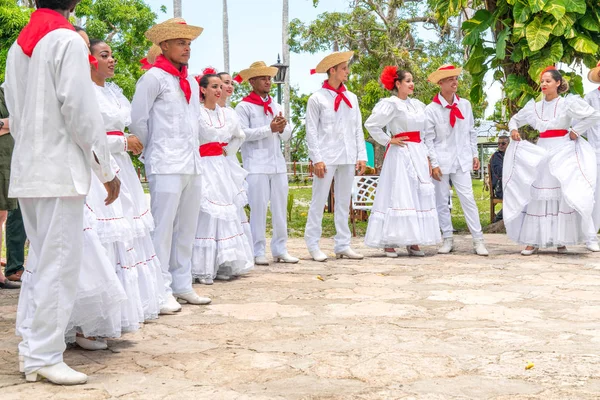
[(363, 196)]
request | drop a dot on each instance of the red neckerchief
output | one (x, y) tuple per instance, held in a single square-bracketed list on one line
[(454, 110), (145, 64), (42, 22), (93, 61), (340, 95), (164, 64), (256, 99)]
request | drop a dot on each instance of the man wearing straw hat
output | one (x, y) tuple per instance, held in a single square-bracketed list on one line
[(165, 111), (265, 128), (593, 136), (451, 140), (336, 146)]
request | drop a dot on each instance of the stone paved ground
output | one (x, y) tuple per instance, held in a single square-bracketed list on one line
[(442, 327)]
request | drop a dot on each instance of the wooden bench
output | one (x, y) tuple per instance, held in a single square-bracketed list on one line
[(493, 200)]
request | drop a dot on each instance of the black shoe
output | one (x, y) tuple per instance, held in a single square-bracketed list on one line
[(10, 285)]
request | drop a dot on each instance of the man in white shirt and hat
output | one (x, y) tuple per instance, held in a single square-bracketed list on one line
[(165, 111), (265, 128), (593, 136), (59, 140), (451, 140), (336, 146)]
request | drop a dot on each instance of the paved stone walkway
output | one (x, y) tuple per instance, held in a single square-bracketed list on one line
[(440, 327)]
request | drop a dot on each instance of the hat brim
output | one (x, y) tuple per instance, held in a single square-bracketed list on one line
[(250, 73), (161, 32), (332, 60), (438, 75), (593, 75)]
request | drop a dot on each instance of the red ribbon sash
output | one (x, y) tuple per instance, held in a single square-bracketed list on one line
[(253, 98), (42, 22), (212, 149), (413, 136), (115, 133), (164, 64), (553, 133), (340, 95), (454, 110)]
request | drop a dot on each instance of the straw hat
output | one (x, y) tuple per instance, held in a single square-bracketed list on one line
[(174, 28), (593, 75), (154, 52), (258, 68), (445, 71), (332, 60)]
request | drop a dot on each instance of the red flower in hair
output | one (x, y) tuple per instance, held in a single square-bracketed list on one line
[(209, 70), (550, 68), (388, 77), (197, 77)]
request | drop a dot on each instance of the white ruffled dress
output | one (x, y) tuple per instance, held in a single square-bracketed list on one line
[(549, 187), (404, 211), (221, 241), (116, 112)]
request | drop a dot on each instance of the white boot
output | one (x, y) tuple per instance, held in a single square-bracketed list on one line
[(349, 253), (286, 258), (447, 246), (171, 305), (479, 247), (318, 255), (592, 246), (60, 374), (415, 253), (193, 298), (261, 260)]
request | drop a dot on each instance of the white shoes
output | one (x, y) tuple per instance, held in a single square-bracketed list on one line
[(447, 246), (479, 247), (89, 344), (261, 260), (349, 253), (60, 374), (193, 298), (593, 246), (415, 253), (171, 305), (391, 254), (529, 252), (318, 255), (206, 281), (286, 258)]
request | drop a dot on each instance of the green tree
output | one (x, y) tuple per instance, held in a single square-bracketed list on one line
[(12, 19), (517, 39)]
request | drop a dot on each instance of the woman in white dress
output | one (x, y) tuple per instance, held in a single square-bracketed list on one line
[(221, 243), (549, 187), (404, 212)]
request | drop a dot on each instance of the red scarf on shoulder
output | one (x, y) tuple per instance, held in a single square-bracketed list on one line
[(42, 22), (164, 64), (454, 110), (340, 95), (256, 99)]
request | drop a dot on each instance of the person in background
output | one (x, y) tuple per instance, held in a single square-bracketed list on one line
[(496, 162)]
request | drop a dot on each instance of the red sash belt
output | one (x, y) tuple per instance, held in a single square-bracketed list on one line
[(212, 149), (115, 133), (554, 133), (414, 136)]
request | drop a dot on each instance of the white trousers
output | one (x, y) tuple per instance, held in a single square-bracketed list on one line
[(464, 189), (344, 179), (263, 188), (596, 213), (175, 204), (54, 227)]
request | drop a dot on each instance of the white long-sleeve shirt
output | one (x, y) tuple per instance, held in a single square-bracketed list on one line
[(450, 147), (334, 137), (221, 125), (116, 113), (55, 119), (593, 132), (166, 124), (261, 151), (397, 116), (570, 112)]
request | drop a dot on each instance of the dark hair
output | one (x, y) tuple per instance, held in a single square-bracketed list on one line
[(503, 137), (78, 28), (95, 42), (203, 82), (401, 75), (57, 4), (220, 74), (564, 85)]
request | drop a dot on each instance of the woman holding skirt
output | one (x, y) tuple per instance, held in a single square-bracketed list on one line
[(549, 187), (404, 211), (221, 246)]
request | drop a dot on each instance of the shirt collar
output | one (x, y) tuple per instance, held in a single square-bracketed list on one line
[(445, 103)]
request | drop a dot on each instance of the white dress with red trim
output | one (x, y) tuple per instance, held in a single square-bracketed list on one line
[(549, 187), (221, 241), (404, 211)]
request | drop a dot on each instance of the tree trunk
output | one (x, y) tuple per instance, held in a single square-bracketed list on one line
[(285, 33), (177, 8), (225, 38)]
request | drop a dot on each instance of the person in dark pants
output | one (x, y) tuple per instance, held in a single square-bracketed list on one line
[(15, 245), (496, 163)]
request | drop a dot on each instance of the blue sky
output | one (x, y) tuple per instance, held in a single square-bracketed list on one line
[(255, 35)]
